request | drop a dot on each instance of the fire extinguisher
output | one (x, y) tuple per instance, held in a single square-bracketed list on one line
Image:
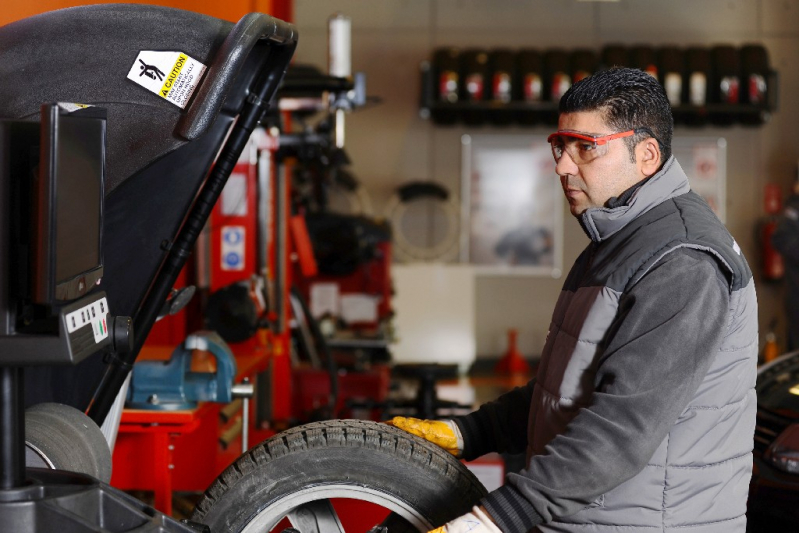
[(772, 262)]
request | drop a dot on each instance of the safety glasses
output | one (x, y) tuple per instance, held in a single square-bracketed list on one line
[(582, 147)]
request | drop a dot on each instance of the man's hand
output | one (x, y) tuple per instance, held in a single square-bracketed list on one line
[(439, 432), (476, 521)]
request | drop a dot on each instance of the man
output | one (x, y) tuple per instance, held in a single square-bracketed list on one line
[(786, 241), (641, 416)]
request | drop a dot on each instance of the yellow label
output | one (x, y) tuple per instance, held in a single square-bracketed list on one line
[(173, 75)]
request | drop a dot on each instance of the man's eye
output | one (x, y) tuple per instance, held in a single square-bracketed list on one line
[(587, 147)]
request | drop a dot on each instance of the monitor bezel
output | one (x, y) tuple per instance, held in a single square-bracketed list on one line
[(47, 289)]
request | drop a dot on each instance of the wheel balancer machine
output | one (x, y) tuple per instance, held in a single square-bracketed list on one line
[(118, 132)]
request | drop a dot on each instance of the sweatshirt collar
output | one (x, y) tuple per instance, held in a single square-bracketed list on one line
[(600, 223)]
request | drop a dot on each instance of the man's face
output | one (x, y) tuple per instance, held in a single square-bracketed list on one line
[(592, 184)]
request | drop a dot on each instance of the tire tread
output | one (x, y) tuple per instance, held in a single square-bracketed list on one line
[(337, 434)]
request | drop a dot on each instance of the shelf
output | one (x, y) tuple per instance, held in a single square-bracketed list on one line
[(546, 113)]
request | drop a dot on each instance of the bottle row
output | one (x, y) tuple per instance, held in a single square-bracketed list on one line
[(720, 85)]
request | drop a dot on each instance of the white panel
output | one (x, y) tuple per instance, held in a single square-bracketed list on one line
[(434, 320), (234, 195), (359, 307), (324, 299)]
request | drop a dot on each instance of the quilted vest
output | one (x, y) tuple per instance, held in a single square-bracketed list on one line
[(691, 484)]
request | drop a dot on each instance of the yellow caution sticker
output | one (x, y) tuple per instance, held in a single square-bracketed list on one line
[(171, 75)]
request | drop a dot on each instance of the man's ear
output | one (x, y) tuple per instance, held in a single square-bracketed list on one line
[(648, 156)]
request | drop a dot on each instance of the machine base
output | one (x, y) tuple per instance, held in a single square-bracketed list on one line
[(54, 500)]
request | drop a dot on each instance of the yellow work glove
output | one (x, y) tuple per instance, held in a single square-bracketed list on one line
[(443, 433), (476, 521)]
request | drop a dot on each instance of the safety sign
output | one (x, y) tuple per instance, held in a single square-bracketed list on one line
[(171, 75), (232, 249)]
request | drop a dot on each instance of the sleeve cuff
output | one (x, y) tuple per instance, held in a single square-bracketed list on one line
[(476, 431), (511, 511)]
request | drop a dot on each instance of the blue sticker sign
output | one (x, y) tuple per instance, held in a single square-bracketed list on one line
[(232, 253)]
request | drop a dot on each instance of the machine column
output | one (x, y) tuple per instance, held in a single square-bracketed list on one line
[(12, 420)]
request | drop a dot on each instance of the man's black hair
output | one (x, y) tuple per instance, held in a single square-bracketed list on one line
[(629, 99)]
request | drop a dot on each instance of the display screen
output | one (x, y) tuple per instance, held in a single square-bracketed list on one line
[(78, 169)]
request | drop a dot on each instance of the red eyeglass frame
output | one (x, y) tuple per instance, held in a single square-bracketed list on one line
[(603, 139)]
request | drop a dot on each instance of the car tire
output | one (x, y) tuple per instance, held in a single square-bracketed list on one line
[(422, 485)]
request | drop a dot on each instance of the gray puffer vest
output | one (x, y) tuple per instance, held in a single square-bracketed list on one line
[(691, 484)]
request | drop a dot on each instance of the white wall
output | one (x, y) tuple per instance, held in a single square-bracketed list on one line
[(390, 144)]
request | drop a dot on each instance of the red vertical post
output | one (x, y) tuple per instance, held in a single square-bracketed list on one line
[(163, 472)]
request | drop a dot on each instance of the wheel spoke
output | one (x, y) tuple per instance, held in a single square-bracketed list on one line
[(316, 517)]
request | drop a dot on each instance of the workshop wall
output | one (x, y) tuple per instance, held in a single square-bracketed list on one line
[(390, 144)]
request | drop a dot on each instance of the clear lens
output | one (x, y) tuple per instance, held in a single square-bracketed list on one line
[(580, 151)]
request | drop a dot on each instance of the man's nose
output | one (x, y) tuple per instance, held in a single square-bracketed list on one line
[(565, 165)]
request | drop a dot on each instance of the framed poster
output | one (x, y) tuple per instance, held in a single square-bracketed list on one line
[(512, 205), (704, 161)]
